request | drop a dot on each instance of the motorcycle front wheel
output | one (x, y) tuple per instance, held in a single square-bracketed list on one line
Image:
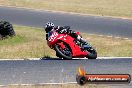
[(64, 53)]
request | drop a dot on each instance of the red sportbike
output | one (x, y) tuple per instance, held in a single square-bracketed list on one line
[(67, 47)]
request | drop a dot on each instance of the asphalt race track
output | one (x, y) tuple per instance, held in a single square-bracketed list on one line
[(61, 71), (91, 24), (58, 71)]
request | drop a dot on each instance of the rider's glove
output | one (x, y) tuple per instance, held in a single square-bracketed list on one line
[(72, 33), (63, 31)]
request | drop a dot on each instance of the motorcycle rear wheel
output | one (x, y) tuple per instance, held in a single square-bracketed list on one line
[(92, 54), (60, 53)]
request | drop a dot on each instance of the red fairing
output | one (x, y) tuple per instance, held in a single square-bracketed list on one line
[(55, 38)]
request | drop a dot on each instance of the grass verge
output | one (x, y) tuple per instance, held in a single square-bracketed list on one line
[(30, 42), (102, 7)]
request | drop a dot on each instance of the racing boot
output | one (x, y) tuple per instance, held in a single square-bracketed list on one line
[(83, 41), (85, 45)]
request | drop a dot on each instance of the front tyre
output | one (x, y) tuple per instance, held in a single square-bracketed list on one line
[(58, 55), (64, 53)]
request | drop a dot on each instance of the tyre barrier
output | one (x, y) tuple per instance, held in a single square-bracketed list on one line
[(6, 30)]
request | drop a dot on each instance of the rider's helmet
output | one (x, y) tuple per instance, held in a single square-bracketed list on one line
[(49, 26)]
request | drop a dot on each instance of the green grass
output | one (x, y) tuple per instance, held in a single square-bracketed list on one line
[(30, 42), (98, 7), (13, 40)]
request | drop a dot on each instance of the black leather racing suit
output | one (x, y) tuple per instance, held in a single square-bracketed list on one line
[(66, 29)]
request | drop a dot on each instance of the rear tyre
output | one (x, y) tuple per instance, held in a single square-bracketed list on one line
[(65, 54), (92, 54)]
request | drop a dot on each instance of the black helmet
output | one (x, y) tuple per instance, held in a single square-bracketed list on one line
[(49, 26)]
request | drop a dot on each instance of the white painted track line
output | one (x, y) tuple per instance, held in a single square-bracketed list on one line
[(39, 84), (114, 57), (2, 59)]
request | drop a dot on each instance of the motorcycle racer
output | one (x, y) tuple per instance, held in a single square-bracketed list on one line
[(67, 43), (50, 27)]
